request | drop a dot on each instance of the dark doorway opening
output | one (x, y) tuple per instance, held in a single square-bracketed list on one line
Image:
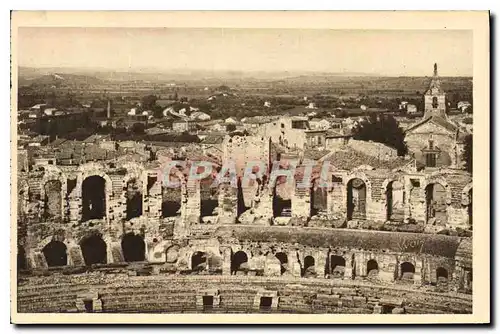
[(21, 258), (89, 305), (356, 199), (308, 269), (372, 268), (407, 271), (283, 258), (94, 250), (133, 247), (94, 198), (208, 302), (209, 197), (55, 254), (134, 199), (171, 199), (337, 266), (266, 303), (239, 262), (199, 261)]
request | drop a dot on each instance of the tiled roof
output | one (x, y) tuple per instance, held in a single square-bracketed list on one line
[(347, 160), (436, 120)]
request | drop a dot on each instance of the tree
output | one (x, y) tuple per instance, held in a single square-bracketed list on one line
[(138, 128), (467, 153), (382, 129), (148, 102)]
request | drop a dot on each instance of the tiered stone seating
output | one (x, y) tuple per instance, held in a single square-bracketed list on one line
[(178, 293)]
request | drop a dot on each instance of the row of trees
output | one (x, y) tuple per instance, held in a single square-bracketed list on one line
[(382, 129)]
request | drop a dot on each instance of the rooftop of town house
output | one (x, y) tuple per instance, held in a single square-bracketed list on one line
[(350, 159)]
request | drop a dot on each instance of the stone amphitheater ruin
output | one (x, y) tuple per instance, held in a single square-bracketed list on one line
[(99, 233)]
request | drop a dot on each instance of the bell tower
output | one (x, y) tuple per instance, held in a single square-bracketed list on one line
[(435, 98)]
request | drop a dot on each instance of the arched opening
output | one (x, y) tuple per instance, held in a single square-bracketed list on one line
[(239, 262), (94, 198), (171, 198), (53, 199), (434, 102), (209, 197), (407, 271), (435, 195), (93, 250), (372, 268), (356, 199), (133, 247), (441, 275), (134, 198), (55, 254), (395, 201), (282, 199), (199, 261), (318, 198), (241, 206), (337, 266), (283, 258), (21, 258), (309, 269)]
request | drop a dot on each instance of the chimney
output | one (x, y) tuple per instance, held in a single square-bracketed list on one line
[(109, 110)]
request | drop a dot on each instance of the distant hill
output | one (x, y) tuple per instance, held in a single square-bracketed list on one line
[(45, 78)]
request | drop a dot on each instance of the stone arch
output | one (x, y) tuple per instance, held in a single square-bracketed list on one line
[(209, 197), (92, 169), (407, 271), (133, 247), (171, 202), (53, 192), (283, 258), (395, 197), (240, 199), (134, 196), (318, 197), (337, 265), (371, 268), (309, 267), (55, 253), (94, 199), (441, 274), (94, 249), (53, 199), (436, 199), (172, 254), (199, 261), (239, 262), (282, 192), (357, 199)]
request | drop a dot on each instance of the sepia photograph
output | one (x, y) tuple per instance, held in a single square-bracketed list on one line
[(185, 167)]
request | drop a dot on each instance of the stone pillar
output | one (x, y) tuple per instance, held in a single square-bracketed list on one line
[(417, 277), (226, 261), (75, 255), (293, 265), (348, 266), (114, 252), (37, 260), (320, 259)]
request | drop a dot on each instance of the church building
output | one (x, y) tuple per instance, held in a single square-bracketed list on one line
[(435, 141)]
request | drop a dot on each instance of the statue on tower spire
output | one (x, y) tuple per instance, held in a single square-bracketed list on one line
[(435, 69)]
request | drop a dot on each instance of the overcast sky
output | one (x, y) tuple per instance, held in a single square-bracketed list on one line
[(381, 52)]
